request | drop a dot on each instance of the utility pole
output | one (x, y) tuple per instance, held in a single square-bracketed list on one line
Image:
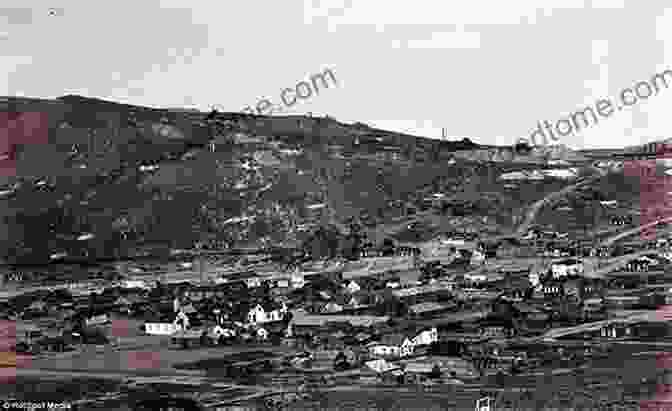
[(199, 257)]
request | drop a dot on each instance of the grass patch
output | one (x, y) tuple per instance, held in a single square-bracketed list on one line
[(226, 361)]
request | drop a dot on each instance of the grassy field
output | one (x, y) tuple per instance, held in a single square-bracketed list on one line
[(152, 356), (223, 362), (603, 379)]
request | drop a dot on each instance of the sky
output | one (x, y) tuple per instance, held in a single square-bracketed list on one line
[(487, 70)]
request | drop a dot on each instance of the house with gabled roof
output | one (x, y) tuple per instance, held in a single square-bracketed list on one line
[(392, 346), (567, 267), (426, 337), (266, 313), (398, 345), (352, 287)]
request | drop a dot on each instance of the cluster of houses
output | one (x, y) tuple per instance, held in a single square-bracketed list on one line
[(393, 315), (621, 220), (386, 315), (399, 346)]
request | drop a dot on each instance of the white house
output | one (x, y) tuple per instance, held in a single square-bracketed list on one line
[(297, 281), (331, 307), (161, 328), (145, 168), (352, 287), (218, 331), (180, 323), (282, 283), (134, 284), (97, 320), (392, 284), (477, 258), (380, 366), (567, 267), (454, 241), (426, 337), (253, 282), (396, 346), (564, 173), (182, 320), (259, 315), (476, 277), (262, 334)]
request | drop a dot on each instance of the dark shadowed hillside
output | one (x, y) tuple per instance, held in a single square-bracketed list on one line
[(113, 179)]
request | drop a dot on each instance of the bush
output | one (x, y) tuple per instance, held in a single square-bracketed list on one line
[(341, 362), (436, 372)]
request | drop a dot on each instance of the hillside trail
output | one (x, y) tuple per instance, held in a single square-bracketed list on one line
[(552, 198)]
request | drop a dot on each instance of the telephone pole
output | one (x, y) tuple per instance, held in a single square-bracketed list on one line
[(199, 258)]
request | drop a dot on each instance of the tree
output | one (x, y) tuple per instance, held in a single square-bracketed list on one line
[(436, 372), (324, 243), (204, 339), (522, 147), (212, 115), (92, 300), (341, 362), (500, 378), (387, 247), (348, 248), (393, 306)]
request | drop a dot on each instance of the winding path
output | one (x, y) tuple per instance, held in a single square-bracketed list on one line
[(552, 198)]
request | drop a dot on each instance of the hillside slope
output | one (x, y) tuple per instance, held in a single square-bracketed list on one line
[(98, 179)]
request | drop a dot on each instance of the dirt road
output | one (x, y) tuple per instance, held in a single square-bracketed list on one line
[(550, 199)]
